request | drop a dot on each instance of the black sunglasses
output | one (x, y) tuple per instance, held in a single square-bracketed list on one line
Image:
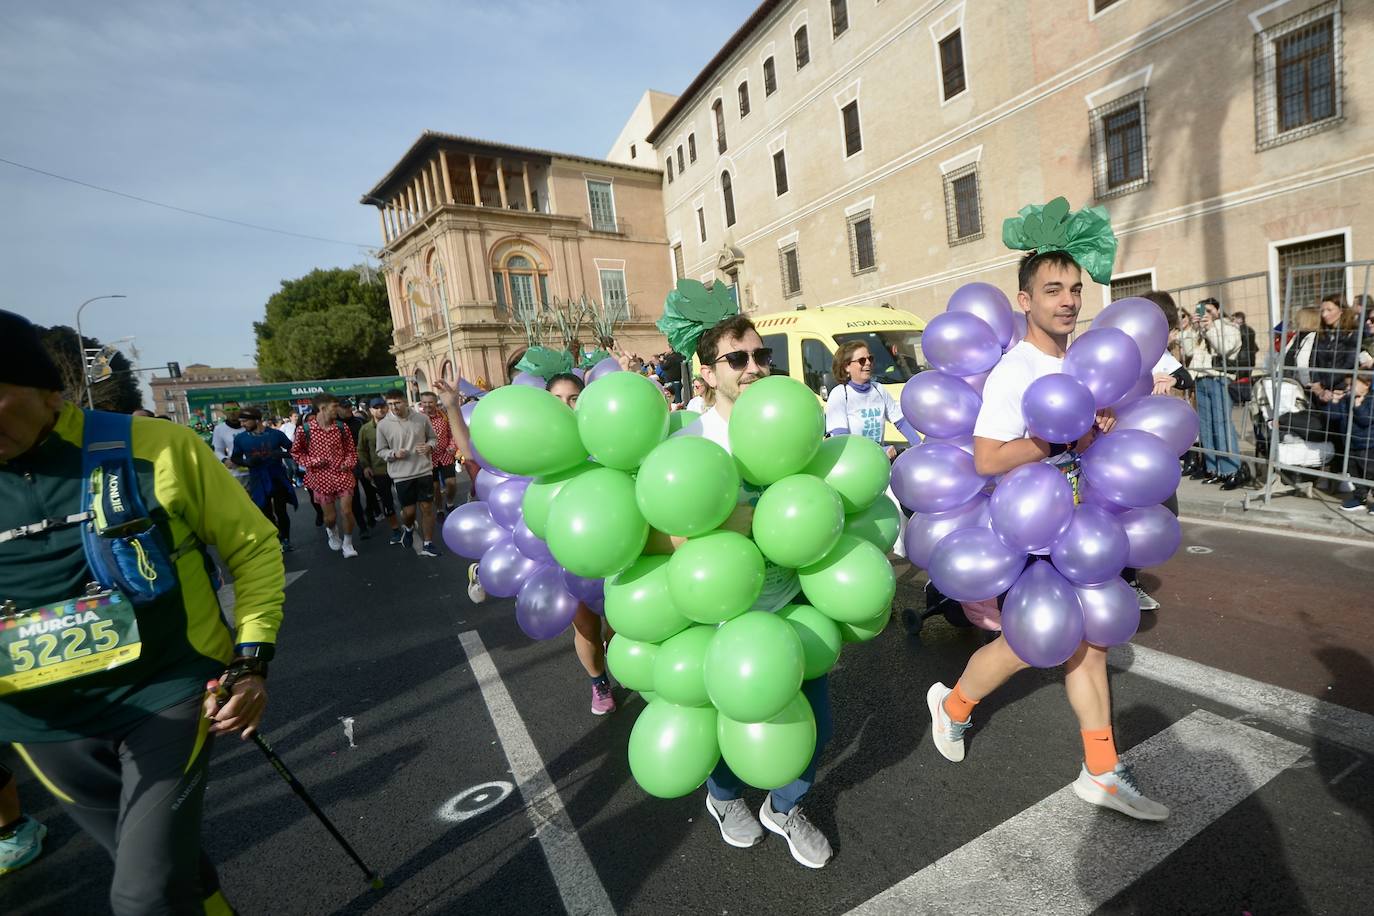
[(738, 359), (863, 360)]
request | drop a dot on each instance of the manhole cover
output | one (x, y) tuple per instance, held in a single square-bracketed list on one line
[(1197, 549)]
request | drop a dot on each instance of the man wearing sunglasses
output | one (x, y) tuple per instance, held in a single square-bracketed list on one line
[(732, 358)]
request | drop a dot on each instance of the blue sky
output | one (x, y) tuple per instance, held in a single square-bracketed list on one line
[(282, 115)]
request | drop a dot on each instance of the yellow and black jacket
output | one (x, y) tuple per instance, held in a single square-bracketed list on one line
[(190, 496)]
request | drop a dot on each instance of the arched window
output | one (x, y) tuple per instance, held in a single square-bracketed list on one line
[(719, 109), (434, 270), (520, 283), (728, 193)]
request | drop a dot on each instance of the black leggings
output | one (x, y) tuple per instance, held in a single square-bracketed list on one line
[(138, 792), (275, 510)]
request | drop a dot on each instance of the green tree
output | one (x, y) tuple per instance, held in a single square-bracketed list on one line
[(327, 324), (119, 391)]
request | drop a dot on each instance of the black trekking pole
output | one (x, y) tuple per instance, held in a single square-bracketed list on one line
[(277, 764)]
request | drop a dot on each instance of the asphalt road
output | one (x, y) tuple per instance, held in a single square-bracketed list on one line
[(1226, 704)]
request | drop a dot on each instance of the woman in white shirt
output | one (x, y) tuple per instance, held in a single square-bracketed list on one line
[(699, 395), (858, 406)]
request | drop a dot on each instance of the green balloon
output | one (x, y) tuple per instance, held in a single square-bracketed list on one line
[(526, 431), (852, 584), (680, 419), (687, 486), (879, 524), (673, 748), (754, 666), (856, 466), (775, 429), (798, 520), (638, 603), (820, 637), (678, 670), (621, 417), (631, 661), (540, 493), (865, 630), (715, 577), (769, 755), (594, 528), (648, 695)]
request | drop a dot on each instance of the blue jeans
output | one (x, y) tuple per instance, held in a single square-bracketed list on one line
[(724, 785), (1217, 430)]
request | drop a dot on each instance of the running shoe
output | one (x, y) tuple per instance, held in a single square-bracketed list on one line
[(334, 542), (1147, 602), (408, 538), (602, 701), (395, 537), (947, 734), (1117, 790), (23, 846), (738, 826), (429, 550), (349, 551), (1353, 503), (476, 593), (805, 840)]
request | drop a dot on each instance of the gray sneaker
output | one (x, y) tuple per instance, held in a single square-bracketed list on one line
[(1147, 603), (947, 734), (808, 845), (737, 824)]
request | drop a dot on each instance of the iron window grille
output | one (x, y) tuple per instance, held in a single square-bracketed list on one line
[(719, 110), (791, 271), (952, 64), (1134, 285), (853, 136), (727, 193), (770, 77), (743, 99), (780, 172), (1310, 285), (1121, 161), (861, 256), (1298, 77), (963, 205), (801, 47), (839, 18)]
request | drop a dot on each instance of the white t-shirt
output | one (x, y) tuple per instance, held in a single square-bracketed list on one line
[(697, 403), (289, 428), (861, 413), (780, 584), (1001, 418), (222, 441)]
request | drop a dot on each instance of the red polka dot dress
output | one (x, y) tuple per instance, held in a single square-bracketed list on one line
[(328, 455)]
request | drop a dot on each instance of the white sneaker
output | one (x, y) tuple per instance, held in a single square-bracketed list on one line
[(334, 542), (1117, 790), (947, 734), (348, 550), (476, 593)]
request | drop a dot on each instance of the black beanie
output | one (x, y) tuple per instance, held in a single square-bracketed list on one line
[(23, 358)]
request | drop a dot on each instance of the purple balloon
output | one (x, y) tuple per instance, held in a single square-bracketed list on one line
[(525, 378), (588, 591), (1042, 620), (1019, 328), (506, 499), (487, 481), (605, 367), (1087, 496), (467, 409), (1171, 419), (1111, 612), (504, 569), (1094, 548), (1058, 408), (470, 531), (1143, 322), (960, 344), (1154, 535), (580, 372), (1031, 507), (925, 530), (976, 382), (940, 405), (1132, 468), (1144, 387), (935, 478), (544, 607), (972, 564), (530, 544), (963, 443), (1107, 361), (988, 303)]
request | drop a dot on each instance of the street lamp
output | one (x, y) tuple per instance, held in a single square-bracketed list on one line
[(81, 345)]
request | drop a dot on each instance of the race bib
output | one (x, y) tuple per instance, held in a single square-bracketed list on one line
[(62, 641)]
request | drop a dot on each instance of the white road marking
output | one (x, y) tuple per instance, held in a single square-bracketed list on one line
[(578, 882), (484, 797), (227, 597), (1063, 856), (1276, 530), (348, 729), (1288, 708)]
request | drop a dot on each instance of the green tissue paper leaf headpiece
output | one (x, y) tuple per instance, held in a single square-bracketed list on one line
[(589, 361), (1086, 236), (690, 309), (545, 363)]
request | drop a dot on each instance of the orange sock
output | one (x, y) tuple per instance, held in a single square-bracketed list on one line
[(957, 706), (1099, 750)]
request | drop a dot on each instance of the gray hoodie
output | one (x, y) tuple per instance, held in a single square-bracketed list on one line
[(395, 434)]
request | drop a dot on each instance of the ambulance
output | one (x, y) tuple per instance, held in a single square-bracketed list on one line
[(804, 342)]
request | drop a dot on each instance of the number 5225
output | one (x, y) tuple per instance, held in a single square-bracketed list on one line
[(50, 648)]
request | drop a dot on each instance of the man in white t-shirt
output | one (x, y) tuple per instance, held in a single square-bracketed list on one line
[(222, 441), (1051, 297), (732, 357)]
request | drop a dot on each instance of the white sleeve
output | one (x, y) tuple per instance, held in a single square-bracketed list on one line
[(836, 410), (1167, 365), (1000, 418), (890, 405)]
